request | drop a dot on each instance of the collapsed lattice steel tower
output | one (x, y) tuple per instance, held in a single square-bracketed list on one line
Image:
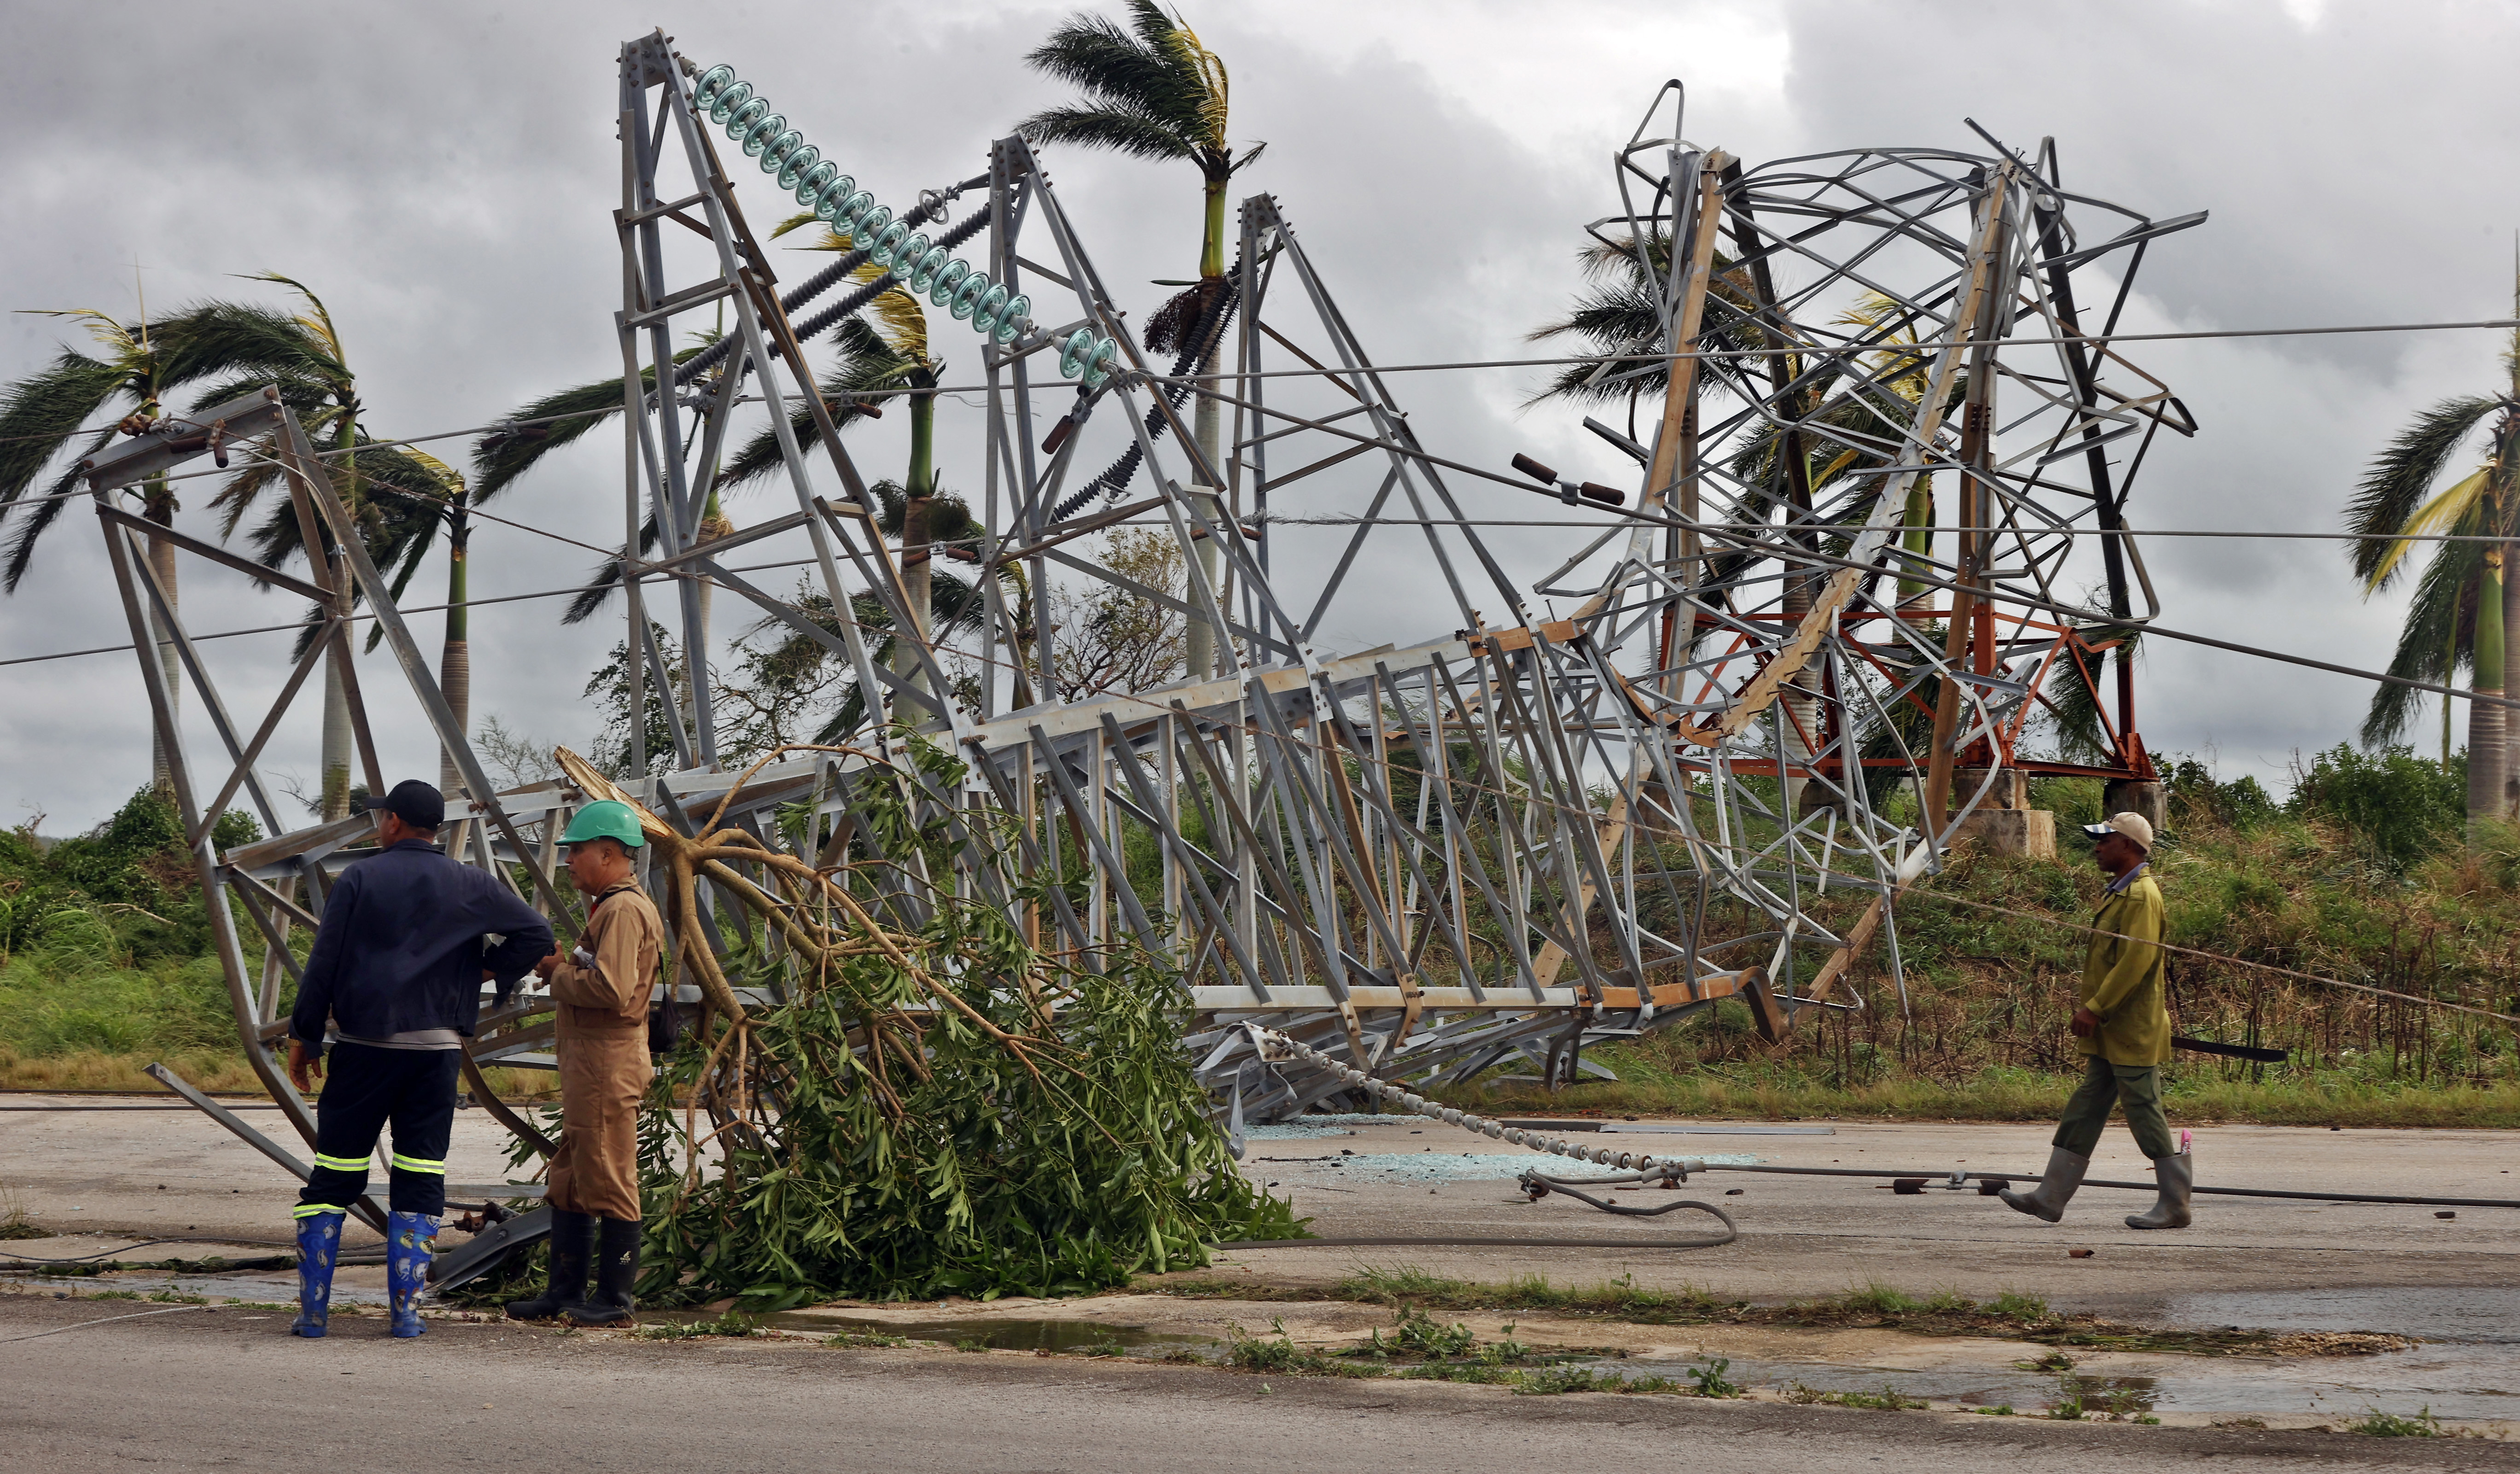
[(1494, 841)]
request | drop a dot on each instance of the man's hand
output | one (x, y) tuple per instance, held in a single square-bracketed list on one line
[(543, 969), (303, 1063), (2085, 1023)]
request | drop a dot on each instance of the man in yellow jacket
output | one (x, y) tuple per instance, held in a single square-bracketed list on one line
[(2122, 1024)]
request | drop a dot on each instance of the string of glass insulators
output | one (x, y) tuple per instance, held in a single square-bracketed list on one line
[(896, 245)]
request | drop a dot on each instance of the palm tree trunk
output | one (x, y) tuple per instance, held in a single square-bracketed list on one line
[(336, 737), (337, 700), (918, 494), (2485, 724), (2509, 798), (714, 524), (1206, 425), (2449, 705), (160, 509), (455, 656), (1917, 542)]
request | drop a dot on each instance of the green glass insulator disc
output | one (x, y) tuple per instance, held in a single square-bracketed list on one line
[(844, 217), (811, 184), (906, 254), (967, 297), (984, 316), (922, 272), (871, 226), (1011, 322), (792, 168), (1075, 354), (1100, 368), (887, 241), (761, 135)]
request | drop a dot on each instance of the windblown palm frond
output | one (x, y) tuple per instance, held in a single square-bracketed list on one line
[(2400, 481), (503, 456), (1618, 316), (2073, 693), (40, 415), (245, 340), (1152, 90), (868, 365), (2437, 639)]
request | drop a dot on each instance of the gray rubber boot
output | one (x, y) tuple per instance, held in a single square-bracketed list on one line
[(2178, 1179), (2048, 1199)]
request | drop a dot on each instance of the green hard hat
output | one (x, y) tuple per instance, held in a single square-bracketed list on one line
[(605, 820)]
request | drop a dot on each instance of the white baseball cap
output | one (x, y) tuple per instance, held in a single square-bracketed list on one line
[(2134, 826)]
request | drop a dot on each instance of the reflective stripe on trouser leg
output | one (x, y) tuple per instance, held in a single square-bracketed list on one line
[(312, 1209), (329, 1186), (419, 1185)]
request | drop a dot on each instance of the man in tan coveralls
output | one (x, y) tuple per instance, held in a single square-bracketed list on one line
[(601, 989)]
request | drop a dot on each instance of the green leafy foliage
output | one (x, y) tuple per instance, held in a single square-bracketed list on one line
[(934, 1106), (2403, 805), (103, 943)]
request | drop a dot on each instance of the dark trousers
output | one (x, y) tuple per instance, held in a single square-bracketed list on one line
[(364, 1088), (2137, 1087)]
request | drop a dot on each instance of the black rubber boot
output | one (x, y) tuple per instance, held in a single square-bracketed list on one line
[(616, 1269), (572, 1235)]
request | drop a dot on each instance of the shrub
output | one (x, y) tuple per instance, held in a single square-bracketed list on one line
[(2403, 805), (2197, 797)]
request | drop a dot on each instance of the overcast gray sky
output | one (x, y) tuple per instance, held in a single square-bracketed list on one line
[(444, 176)]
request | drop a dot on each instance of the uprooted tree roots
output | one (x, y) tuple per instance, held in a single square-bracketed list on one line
[(926, 1103)]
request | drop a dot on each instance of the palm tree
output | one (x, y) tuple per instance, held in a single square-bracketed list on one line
[(2463, 603), (232, 346), (408, 498), (302, 353), (1153, 91), (796, 668), (886, 357), (45, 412)]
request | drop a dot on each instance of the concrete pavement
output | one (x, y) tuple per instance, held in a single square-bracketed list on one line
[(228, 1388)]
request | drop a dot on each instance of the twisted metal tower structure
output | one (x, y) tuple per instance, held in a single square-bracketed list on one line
[(1783, 691)]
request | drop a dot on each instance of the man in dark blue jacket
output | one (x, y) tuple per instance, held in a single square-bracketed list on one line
[(397, 967)]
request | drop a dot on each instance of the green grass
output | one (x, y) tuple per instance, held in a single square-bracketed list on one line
[(731, 1324), (2335, 886), (1888, 1400), (2378, 1424)]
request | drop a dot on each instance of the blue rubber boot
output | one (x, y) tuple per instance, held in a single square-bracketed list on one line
[(410, 1239), (319, 1244)]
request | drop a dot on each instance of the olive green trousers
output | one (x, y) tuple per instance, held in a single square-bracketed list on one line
[(2104, 1085)]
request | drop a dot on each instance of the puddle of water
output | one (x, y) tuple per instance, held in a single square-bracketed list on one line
[(2461, 1314), (2454, 1381)]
